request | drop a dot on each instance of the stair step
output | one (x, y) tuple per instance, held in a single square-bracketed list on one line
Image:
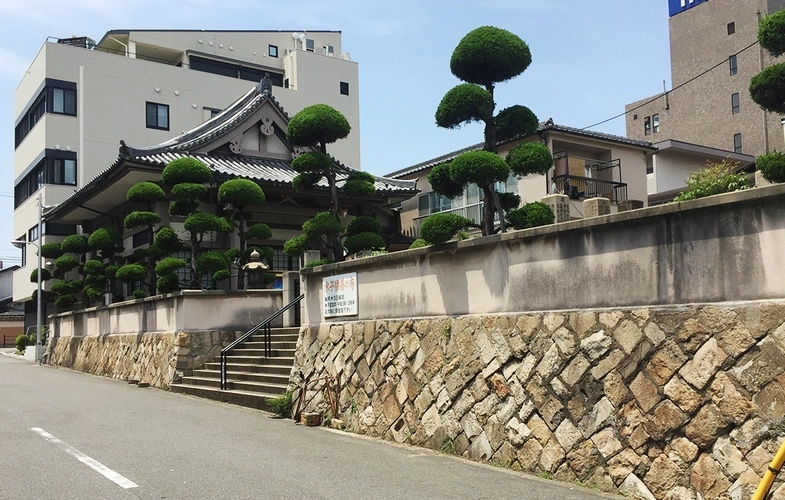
[(263, 388), (245, 376), (238, 397), (275, 344), (252, 368), (259, 360), (275, 353)]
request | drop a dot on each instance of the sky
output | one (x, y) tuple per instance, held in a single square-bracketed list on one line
[(590, 58)]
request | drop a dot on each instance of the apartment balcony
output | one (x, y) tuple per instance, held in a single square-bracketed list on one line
[(581, 178)]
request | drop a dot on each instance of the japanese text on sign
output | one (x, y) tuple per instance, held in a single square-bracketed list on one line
[(340, 295)]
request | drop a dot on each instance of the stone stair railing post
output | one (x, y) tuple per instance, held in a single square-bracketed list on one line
[(595, 207), (289, 294), (560, 204)]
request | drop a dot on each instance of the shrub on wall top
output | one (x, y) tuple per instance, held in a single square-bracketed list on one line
[(772, 165)]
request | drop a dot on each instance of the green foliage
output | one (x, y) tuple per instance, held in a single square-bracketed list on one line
[(241, 193), (201, 222), (93, 291), (211, 262), (182, 207), (131, 272), (364, 241), (111, 270), (169, 265), (259, 232), (232, 254), (317, 263), (530, 158), (167, 283), (138, 294), (93, 266), (489, 55), (771, 33), (51, 250), (46, 296), (312, 161), (306, 180), (767, 88), (167, 240), (441, 227), (322, 223), (448, 446), (418, 243), (441, 181), (480, 167), (716, 178), (188, 191), (146, 192), (64, 301), (221, 275), (317, 124), (281, 405), (772, 165), (509, 201), (75, 243), (136, 219), (105, 239), (514, 122), (63, 287), (21, 342), (462, 104), (45, 275), (360, 185), (66, 262), (296, 246), (531, 215), (95, 279), (363, 224), (186, 170)]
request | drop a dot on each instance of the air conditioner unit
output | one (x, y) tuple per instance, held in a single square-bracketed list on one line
[(346, 57)]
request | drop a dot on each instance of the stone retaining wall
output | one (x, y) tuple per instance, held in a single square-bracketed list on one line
[(154, 358), (660, 402)]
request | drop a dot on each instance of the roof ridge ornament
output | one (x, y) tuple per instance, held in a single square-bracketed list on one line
[(125, 151), (266, 85)]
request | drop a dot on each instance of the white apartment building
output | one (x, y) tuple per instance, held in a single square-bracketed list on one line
[(79, 98)]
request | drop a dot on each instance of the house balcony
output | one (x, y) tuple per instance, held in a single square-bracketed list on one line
[(581, 178), (472, 212)]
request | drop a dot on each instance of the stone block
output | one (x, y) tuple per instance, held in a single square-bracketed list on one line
[(682, 451), (615, 388), (573, 372), (584, 459), (663, 475), (665, 362), (560, 205), (704, 364), (629, 366), (567, 434), (471, 426), (529, 455), (610, 362), (539, 429), (633, 487), (431, 421), (596, 345), (732, 402), (666, 418), (550, 363), (500, 345), (760, 365), (582, 322), (595, 207), (566, 342), (507, 410), (744, 487), (551, 412), (691, 335), (622, 465), (565, 474), (495, 433), (423, 400), (601, 414), (706, 426), (480, 449), (552, 456), (606, 442), (627, 205), (735, 341), (729, 458), (628, 335), (645, 392), (707, 477), (749, 435), (639, 437), (683, 395), (552, 321)]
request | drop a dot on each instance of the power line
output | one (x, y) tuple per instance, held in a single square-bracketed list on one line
[(724, 61)]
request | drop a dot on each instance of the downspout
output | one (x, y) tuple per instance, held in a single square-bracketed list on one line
[(121, 43), (763, 111)]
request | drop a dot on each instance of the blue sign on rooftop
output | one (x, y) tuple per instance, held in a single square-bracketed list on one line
[(678, 6)]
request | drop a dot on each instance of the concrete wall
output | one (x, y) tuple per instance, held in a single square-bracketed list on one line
[(721, 248), (188, 311)]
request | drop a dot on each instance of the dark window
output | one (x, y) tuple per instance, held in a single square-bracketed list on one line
[(64, 101), (272, 50), (57, 167), (32, 234), (345, 88), (635, 116), (649, 169), (734, 103), (283, 262), (655, 123), (57, 97), (731, 28), (157, 116), (141, 238), (54, 229), (647, 125), (234, 70), (24, 250), (734, 65), (286, 83), (309, 45), (737, 143)]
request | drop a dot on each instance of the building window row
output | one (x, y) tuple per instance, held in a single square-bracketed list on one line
[(737, 143), (651, 124), (157, 115), (60, 169), (52, 99), (735, 105), (733, 63), (236, 70)]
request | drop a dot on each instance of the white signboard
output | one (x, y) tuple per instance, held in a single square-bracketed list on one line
[(340, 295)]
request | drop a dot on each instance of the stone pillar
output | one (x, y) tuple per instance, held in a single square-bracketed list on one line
[(594, 207), (626, 205), (311, 256), (560, 204), (289, 294)]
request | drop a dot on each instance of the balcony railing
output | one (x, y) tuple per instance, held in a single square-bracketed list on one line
[(472, 212), (578, 188)]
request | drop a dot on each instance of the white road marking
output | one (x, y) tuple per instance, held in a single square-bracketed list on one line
[(97, 466)]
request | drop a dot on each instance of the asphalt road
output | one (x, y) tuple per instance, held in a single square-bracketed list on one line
[(69, 435)]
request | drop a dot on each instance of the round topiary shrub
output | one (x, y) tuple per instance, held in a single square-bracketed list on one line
[(772, 165), (296, 246), (167, 283), (531, 215), (64, 301), (51, 250), (186, 170), (75, 243), (317, 124), (21, 342), (45, 275), (131, 272), (66, 262), (258, 232), (322, 223), (182, 207), (441, 180), (312, 161), (169, 265), (167, 240), (363, 224), (105, 239), (364, 241), (357, 188), (530, 158), (418, 243), (221, 275), (241, 193), (138, 294), (464, 103), (110, 271), (93, 291), (212, 261), (136, 219), (480, 167), (509, 201), (306, 180), (766, 88), (514, 122), (93, 266), (489, 55), (188, 191), (441, 227), (771, 33), (146, 192), (201, 222), (62, 287)]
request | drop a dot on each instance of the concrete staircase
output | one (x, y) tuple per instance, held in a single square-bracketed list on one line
[(251, 377)]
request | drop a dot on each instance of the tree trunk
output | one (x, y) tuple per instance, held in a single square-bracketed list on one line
[(194, 274), (241, 234), (498, 203), (490, 125), (487, 210)]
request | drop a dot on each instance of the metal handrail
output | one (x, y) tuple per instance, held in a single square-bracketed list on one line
[(267, 343), (577, 187)]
